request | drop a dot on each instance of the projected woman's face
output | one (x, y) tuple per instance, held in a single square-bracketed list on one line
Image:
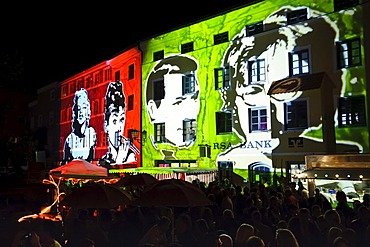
[(115, 126), (83, 109)]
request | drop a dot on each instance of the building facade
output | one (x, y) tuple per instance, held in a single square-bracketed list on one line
[(251, 90), (258, 88), (100, 113)]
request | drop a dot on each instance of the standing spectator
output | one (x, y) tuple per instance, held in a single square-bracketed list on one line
[(285, 238), (157, 234), (343, 208), (361, 222), (228, 223), (264, 231), (255, 241), (227, 240), (243, 233)]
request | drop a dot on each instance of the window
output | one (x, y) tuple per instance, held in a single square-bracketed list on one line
[(108, 74), (257, 70), (189, 130), (254, 28), (96, 106), (296, 16), (63, 116), (64, 90), (222, 78), (349, 53), (299, 62), (344, 4), (160, 134), (131, 71), (205, 151), (221, 38), (130, 102), (188, 47), (104, 138), (97, 79), (223, 122), (188, 83), (158, 89), (88, 80), (69, 114), (117, 75), (258, 119), (80, 83), (158, 55), (296, 115), (351, 111), (72, 87)]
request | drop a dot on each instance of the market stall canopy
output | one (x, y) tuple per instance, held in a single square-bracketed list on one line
[(97, 196), (79, 168), (338, 166), (172, 193)]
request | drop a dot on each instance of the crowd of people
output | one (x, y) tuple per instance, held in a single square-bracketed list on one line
[(258, 216)]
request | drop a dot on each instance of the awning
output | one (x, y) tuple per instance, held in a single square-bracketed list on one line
[(337, 174)]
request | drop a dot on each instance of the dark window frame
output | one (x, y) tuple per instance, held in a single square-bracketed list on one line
[(222, 78), (257, 119), (255, 28), (130, 102), (187, 47), (223, 122), (160, 132), (296, 114), (158, 55), (300, 54), (345, 4), (131, 71), (258, 69), (297, 16), (189, 132), (220, 38), (353, 56), (351, 111)]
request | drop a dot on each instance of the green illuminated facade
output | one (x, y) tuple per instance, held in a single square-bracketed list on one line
[(258, 88)]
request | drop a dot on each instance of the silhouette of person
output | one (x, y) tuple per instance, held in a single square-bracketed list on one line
[(81, 142)]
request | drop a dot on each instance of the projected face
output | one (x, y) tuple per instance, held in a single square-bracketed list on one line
[(81, 112), (81, 142), (120, 149), (257, 61), (173, 100)]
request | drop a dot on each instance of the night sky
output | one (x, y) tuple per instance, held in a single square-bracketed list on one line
[(59, 41)]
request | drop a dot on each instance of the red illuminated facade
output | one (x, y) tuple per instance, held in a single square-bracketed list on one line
[(84, 117)]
